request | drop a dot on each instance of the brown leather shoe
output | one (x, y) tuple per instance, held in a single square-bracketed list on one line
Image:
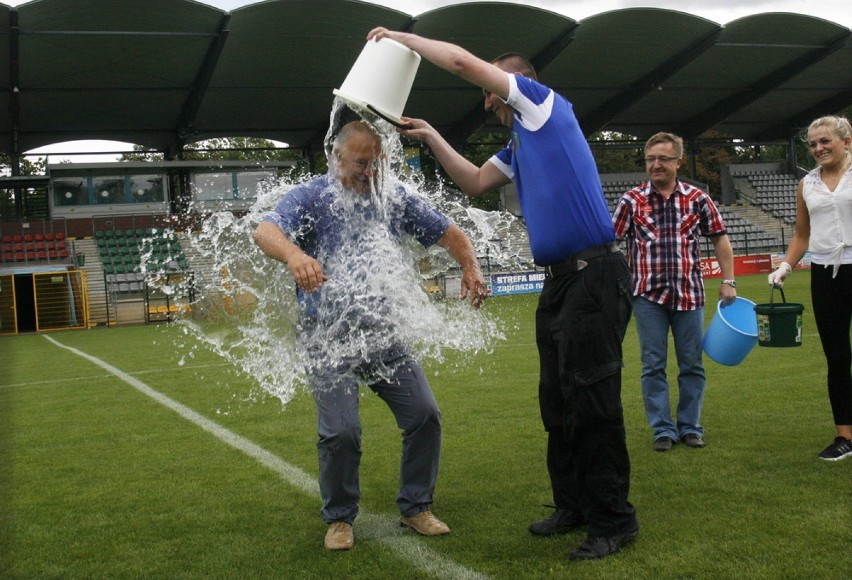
[(426, 524), (339, 536)]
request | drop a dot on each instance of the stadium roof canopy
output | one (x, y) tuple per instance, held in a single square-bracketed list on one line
[(165, 73)]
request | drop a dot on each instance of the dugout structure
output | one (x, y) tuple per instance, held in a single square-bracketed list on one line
[(43, 301)]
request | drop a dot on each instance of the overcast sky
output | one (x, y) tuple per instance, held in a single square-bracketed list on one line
[(719, 11)]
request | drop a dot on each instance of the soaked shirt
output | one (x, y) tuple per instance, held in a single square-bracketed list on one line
[(351, 235), (549, 160), (663, 242), (831, 219)]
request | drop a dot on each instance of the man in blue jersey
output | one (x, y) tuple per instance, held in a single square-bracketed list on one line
[(338, 235), (585, 305)]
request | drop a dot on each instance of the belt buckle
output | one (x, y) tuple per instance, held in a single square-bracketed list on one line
[(548, 271)]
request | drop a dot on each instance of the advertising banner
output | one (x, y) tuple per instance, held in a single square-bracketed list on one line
[(516, 283), (804, 263), (746, 265), (528, 282)]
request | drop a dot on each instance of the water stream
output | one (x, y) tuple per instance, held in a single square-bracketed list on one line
[(244, 307)]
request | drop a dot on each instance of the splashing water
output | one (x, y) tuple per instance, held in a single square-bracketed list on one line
[(245, 306)]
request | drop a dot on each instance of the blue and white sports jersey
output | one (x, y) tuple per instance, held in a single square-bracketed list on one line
[(555, 174)]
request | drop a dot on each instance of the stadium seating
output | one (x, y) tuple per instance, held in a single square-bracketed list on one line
[(37, 248), (140, 250), (775, 193)]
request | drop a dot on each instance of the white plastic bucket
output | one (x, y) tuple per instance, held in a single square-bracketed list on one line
[(732, 332), (380, 80)]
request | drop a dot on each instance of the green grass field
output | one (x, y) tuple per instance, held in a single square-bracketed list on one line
[(151, 468)]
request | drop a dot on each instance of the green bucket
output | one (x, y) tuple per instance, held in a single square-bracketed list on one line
[(779, 324)]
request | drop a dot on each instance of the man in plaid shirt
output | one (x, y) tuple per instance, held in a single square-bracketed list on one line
[(661, 221)]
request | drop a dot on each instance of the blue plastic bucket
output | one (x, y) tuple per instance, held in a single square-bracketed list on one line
[(732, 332)]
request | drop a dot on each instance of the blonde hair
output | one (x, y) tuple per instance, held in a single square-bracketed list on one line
[(839, 127), (663, 137)]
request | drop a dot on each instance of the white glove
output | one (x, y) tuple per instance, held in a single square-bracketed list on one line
[(776, 278)]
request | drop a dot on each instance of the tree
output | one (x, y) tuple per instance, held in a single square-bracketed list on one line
[(227, 149), (27, 166), (617, 152)]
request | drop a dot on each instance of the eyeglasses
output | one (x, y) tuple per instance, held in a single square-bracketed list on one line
[(650, 160)]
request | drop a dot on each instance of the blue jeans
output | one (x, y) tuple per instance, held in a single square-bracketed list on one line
[(410, 399), (653, 322)]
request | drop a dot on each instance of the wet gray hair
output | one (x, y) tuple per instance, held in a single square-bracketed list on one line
[(353, 128)]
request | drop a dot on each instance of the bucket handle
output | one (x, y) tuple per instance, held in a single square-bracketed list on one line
[(772, 293), (388, 119)]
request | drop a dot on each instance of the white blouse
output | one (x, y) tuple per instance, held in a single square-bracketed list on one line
[(831, 219)]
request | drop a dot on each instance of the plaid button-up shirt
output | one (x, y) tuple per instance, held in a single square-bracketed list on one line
[(663, 242)]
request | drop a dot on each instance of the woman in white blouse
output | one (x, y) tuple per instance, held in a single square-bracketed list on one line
[(824, 224)]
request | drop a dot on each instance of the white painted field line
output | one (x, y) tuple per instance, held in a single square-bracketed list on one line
[(103, 376), (379, 527)]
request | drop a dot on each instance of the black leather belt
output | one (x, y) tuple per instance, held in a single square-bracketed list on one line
[(580, 260)]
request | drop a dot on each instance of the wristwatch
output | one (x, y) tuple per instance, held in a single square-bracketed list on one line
[(731, 283)]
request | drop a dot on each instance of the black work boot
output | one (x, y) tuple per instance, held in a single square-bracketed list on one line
[(560, 521), (597, 547)]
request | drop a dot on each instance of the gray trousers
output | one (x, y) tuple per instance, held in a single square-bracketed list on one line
[(408, 395)]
